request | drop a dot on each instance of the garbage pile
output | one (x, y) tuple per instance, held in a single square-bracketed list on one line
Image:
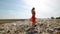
[(20, 27)]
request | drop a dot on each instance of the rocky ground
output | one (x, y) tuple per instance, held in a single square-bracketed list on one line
[(43, 26)]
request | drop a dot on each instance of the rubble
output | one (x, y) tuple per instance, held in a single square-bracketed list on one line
[(43, 27)]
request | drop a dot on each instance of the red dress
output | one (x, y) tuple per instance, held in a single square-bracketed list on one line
[(32, 19)]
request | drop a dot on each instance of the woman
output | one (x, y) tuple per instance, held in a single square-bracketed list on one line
[(32, 19)]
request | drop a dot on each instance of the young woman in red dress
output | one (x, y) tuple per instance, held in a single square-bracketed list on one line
[(33, 19)]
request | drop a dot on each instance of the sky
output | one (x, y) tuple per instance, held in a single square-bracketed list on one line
[(21, 9)]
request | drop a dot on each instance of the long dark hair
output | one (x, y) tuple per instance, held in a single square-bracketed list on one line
[(33, 8)]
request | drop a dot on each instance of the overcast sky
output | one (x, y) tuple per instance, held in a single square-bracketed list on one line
[(21, 9)]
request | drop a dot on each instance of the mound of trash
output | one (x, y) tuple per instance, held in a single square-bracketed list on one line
[(43, 26)]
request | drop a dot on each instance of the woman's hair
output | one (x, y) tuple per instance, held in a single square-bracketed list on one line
[(33, 8)]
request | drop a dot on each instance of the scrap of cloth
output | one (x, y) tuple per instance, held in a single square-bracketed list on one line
[(31, 31)]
